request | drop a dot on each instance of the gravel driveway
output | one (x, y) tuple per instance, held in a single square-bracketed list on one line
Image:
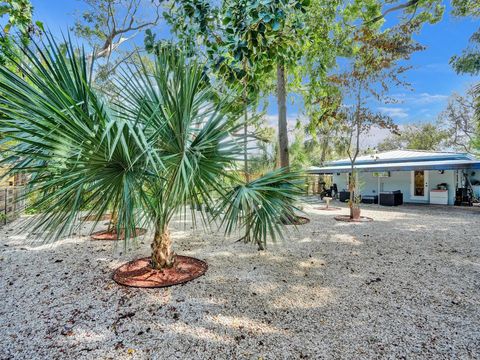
[(404, 286)]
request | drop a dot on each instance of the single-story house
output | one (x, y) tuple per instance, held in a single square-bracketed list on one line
[(421, 176)]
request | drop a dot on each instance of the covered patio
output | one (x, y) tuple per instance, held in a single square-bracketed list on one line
[(421, 177)]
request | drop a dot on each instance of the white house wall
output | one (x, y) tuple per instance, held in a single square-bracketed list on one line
[(399, 180)]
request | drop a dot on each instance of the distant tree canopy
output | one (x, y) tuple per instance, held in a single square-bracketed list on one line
[(461, 118), (427, 136)]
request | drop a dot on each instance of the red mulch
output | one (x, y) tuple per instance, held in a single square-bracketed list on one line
[(299, 220), (330, 208), (138, 273), (347, 218), (94, 217), (113, 235)]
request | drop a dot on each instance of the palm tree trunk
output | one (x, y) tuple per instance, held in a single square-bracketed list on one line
[(282, 116), (112, 225), (163, 255)]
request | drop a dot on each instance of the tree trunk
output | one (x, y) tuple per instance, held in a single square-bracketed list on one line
[(245, 125), (112, 225), (325, 143), (162, 253), (351, 189), (282, 116), (358, 125)]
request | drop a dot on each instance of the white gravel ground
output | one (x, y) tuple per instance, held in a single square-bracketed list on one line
[(404, 286)]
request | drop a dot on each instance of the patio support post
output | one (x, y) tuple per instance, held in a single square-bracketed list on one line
[(378, 190)]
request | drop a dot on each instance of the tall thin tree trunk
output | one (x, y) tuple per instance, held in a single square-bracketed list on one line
[(163, 255), (358, 123), (351, 189), (325, 142), (282, 116), (245, 125), (245, 148)]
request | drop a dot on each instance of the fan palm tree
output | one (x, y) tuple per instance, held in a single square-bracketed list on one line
[(164, 144)]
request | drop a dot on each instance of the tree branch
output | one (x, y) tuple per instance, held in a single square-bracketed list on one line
[(394, 8), (110, 44)]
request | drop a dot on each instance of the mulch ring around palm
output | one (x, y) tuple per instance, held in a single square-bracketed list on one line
[(95, 217), (139, 273), (330, 208), (347, 218), (113, 234), (298, 220)]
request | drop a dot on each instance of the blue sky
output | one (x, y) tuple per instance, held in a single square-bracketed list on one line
[(431, 77)]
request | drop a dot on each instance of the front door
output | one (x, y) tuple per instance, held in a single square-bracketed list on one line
[(419, 185)]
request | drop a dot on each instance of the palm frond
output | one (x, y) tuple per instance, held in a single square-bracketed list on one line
[(260, 206), (70, 143), (166, 142)]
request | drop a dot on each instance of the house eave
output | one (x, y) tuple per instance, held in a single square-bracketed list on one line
[(399, 166)]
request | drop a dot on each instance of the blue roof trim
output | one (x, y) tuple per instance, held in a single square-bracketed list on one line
[(409, 166), (399, 160)]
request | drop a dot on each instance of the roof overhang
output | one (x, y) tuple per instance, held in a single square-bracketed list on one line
[(399, 166)]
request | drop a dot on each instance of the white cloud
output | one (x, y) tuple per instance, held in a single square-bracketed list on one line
[(420, 99), (426, 98), (272, 120), (394, 112)]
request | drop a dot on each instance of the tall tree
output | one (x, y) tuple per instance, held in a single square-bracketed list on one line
[(332, 30), (375, 67), (285, 38), (108, 24), (259, 35), (226, 36)]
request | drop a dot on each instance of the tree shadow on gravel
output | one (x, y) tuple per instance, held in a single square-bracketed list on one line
[(402, 285)]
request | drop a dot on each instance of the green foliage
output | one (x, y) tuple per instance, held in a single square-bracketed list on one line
[(260, 206), (354, 30), (466, 8), (19, 14), (161, 146), (469, 61), (245, 41)]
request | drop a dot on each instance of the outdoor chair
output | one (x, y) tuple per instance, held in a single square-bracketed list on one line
[(391, 198), (370, 199), (344, 196)]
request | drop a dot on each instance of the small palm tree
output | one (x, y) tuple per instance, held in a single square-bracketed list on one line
[(164, 145)]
